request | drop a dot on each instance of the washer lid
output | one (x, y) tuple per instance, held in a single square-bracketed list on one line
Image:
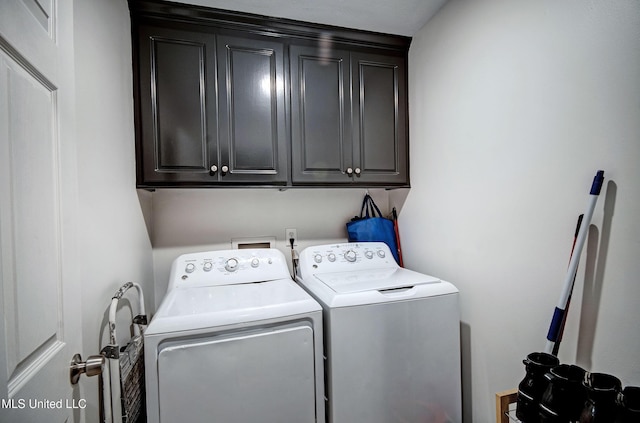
[(374, 280), (373, 286), (212, 306)]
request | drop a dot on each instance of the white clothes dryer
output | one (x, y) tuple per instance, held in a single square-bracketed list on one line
[(392, 336), (235, 340)]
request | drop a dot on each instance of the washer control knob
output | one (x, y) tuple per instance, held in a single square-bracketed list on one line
[(190, 267), (350, 255), (369, 254), (207, 266), (331, 257), (231, 265), (317, 258), (381, 253), (255, 262)]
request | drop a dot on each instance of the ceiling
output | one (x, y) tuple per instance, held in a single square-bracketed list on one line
[(400, 17)]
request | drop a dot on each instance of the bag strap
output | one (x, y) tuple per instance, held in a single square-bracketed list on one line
[(365, 203), (371, 207), (375, 207)]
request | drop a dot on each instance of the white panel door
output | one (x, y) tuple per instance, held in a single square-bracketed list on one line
[(39, 283)]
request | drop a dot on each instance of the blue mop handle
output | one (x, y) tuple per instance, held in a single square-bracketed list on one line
[(559, 312), (596, 186)]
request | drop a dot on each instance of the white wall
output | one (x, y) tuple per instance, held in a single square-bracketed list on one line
[(199, 220), (114, 244), (514, 105)]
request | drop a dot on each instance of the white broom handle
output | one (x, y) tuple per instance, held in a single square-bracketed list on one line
[(558, 314)]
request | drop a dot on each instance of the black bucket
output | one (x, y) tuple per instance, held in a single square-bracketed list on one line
[(533, 385), (565, 396)]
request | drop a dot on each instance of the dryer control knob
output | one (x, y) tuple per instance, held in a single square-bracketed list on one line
[(331, 257), (350, 256), (255, 262), (317, 258), (369, 254), (207, 266), (381, 253), (231, 265), (190, 267)]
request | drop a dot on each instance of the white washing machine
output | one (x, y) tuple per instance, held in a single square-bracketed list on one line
[(235, 340), (392, 336)]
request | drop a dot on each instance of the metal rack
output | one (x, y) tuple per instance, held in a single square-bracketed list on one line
[(123, 395)]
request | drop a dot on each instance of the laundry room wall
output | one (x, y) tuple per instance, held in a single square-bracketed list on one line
[(114, 245), (186, 221), (514, 106)]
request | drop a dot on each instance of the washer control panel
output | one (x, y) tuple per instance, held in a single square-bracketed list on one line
[(228, 267), (345, 257)]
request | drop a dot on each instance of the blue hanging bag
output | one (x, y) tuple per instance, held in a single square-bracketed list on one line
[(371, 228)]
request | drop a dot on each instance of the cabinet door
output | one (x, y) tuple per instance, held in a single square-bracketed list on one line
[(252, 130), (320, 115), (380, 107), (176, 142)]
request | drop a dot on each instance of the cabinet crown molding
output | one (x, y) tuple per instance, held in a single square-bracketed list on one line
[(264, 25)]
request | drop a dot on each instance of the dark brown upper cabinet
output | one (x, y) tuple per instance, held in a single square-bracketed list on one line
[(211, 109), (349, 118), (251, 125), (233, 99), (177, 125), (321, 123)]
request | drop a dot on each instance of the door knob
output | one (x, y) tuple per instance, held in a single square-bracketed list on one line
[(349, 171), (225, 169), (358, 171), (214, 169), (92, 367)]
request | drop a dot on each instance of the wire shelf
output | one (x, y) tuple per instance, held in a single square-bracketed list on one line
[(511, 414)]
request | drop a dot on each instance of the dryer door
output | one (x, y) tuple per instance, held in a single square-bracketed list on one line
[(262, 376)]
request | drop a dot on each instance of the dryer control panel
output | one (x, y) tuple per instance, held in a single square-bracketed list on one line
[(346, 257), (228, 267)]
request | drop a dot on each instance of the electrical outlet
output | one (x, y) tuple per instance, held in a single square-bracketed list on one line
[(291, 233)]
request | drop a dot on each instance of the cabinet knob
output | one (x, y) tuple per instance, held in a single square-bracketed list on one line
[(349, 171), (214, 169), (225, 169), (358, 171)]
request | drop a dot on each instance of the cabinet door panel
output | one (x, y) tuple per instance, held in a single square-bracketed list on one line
[(252, 115), (380, 136), (179, 139), (321, 121), (178, 130)]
